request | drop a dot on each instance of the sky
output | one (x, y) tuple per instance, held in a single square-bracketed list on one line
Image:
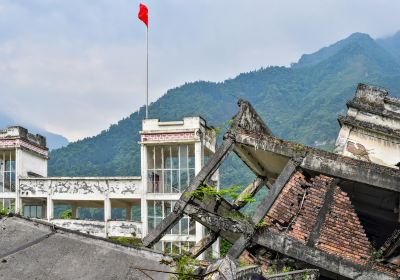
[(75, 67)]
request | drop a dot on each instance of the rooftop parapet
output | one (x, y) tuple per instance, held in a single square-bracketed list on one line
[(375, 100), (189, 123), (18, 132), (370, 95), (18, 137), (188, 129), (371, 128)]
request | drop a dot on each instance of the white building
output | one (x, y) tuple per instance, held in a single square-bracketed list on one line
[(370, 130), (171, 154)]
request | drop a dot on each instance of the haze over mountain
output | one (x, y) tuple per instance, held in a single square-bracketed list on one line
[(299, 103), (54, 141), (392, 44)]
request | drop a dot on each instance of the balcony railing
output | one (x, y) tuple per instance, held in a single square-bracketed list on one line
[(113, 187)]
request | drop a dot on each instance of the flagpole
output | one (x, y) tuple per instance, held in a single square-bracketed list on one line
[(147, 72)]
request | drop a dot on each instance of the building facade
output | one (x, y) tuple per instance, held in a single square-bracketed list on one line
[(172, 153), (21, 155), (370, 130)]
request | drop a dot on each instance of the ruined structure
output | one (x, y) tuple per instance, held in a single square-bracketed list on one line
[(22, 154), (171, 154), (338, 212), (40, 250), (371, 129)]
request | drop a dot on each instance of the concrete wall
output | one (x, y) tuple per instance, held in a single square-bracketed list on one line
[(81, 188), (29, 162), (96, 228), (368, 146), (102, 229), (370, 130), (124, 228)]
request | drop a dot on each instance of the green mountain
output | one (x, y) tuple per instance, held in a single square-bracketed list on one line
[(391, 44), (299, 103)]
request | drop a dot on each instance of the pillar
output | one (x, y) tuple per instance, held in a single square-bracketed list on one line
[(74, 209), (49, 208), (143, 215), (107, 214), (143, 200), (128, 210), (18, 200), (199, 160), (216, 248)]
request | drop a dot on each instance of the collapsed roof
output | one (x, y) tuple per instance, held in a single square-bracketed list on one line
[(38, 250), (336, 212)]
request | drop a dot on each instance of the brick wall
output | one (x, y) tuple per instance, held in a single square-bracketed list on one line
[(296, 210), (342, 233)]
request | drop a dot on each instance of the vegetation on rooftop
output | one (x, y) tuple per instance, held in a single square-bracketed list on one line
[(230, 193), (130, 241)]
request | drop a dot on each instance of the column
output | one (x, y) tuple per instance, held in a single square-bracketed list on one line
[(74, 209), (107, 214), (199, 160), (128, 210), (216, 248), (143, 214), (143, 200), (18, 200), (49, 208)]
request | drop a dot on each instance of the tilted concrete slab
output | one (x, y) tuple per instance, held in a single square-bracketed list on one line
[(65, 254)]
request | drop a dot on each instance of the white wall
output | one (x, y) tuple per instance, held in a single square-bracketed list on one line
[(380, 149), (30, 162)]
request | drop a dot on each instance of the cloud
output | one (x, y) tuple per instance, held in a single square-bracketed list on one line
[(74, 67)]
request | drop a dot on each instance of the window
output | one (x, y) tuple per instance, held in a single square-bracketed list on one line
[(8, 204), (175, 247), (33, 211), (157, 210), (170, 168), (7, 171)]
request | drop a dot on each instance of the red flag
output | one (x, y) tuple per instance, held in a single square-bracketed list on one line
[(144, 14)]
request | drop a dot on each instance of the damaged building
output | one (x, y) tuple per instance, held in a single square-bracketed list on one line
[(337, 212), (172, 153), (333, 215)]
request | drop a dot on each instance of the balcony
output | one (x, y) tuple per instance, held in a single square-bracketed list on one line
[(81, 188)]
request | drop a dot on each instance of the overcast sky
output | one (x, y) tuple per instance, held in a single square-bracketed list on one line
[(73, 67)]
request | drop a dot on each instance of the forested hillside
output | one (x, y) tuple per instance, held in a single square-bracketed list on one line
[(299, 103)]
